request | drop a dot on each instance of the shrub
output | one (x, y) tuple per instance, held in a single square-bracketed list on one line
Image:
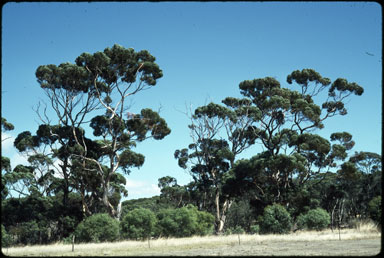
[(205, 222), (275, 219), (139, 223), (234, 230), (254, 229), (184, 222), (180, 222), (374, 209), (5, 237), (315, 219), (166, 225), (97, 228)]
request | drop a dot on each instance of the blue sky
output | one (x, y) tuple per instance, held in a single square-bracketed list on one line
[(205, 50)]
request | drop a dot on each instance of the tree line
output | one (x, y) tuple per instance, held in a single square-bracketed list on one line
[(74, 178)]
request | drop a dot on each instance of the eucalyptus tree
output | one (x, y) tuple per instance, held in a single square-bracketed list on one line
[(283, 122), (94, 90), (116, 74), (50, 154), (71, 97), (360, 178), (173, 193), (286, 129), (211, 155)]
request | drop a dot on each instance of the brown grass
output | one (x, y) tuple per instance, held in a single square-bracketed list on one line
[(363, 240)]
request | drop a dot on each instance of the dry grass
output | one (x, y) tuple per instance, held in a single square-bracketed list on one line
[(221, 245)]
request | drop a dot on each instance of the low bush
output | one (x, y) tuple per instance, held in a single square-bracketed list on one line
[(184, 222), (235, 230), (254, 229), (276, 220), (139, 223), (315, 219), (97, 228)]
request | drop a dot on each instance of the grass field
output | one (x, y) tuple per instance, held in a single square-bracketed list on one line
[(350, 242)]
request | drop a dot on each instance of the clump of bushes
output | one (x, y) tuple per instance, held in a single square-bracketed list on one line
[(137, 224), (142, 223), (98, 228), (184, 222), (276, 219), (315, 219)]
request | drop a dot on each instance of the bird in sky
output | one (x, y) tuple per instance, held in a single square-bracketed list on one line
[(370, 54)]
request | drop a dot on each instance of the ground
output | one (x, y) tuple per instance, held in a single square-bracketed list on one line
[(296, 244)]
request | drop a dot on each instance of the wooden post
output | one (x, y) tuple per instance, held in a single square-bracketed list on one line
[(73, 243), (238, 235), (149, 244)]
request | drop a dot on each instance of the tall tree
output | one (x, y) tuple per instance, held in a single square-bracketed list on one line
[(71, 97), (116, 74), (102, 81), (285, 130), (211, 156)]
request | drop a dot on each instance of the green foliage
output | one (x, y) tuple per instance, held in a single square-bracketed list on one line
[(184, 222), (205, 222), (29, 233), (6, 239), (138, 224), (375, 209), (276, 220), (234, 230), (240, 215), (306, 76), (154, 204), (98, 228), (255, 229), (316, 219), (5, 125)]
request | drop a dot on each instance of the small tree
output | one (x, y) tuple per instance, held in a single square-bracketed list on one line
[(316, 219), (138, 224), (97, 228), (275, 219)]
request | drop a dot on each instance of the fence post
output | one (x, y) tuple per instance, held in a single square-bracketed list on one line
[(73, 243)]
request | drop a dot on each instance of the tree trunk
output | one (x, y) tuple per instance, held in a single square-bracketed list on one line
[(111, 210), (221, 214)]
